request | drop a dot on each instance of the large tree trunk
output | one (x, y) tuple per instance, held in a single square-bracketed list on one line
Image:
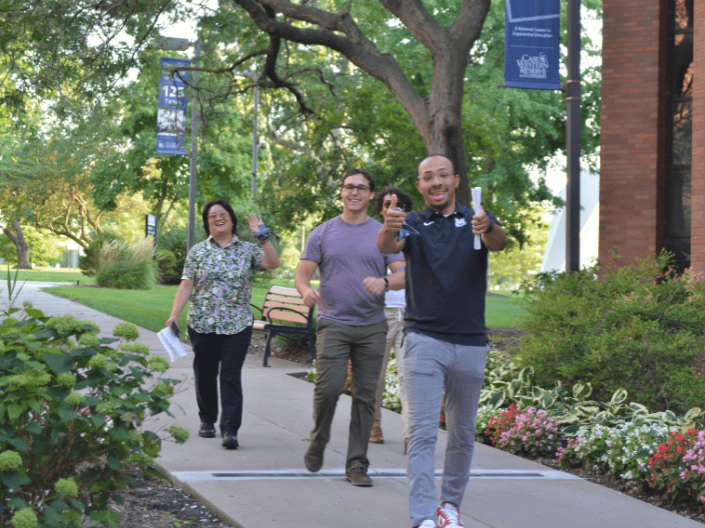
[(20, 243)]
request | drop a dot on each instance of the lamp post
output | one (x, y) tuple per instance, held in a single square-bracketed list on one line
[(572, 93), (255, 139), (182, 44)]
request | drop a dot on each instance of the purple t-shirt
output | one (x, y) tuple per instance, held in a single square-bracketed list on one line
[(347, 254)]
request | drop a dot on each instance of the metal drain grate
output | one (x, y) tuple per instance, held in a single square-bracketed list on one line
[(298, 474)]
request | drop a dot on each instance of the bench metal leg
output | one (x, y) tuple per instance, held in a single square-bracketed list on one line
[(267, 348)]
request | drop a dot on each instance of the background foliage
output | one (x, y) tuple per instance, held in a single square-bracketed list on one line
[(638, 328)]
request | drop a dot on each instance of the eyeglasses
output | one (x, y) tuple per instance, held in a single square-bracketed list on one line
[(218, 216), (362, 189), (428, 177)]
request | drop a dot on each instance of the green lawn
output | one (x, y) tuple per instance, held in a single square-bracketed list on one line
[(504, 311), (47, 275), (147, 308), (151, 308)]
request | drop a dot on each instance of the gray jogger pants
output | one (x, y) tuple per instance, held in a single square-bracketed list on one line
[(437, 372)]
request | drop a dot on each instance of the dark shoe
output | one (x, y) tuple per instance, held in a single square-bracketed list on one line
[(230, 441), (376, 436), (313, 458), (207, 430), (357, 476)]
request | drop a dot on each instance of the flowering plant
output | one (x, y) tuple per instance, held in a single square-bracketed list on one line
[(677, 476), (501, 422), (530, 432), (623, 450), (694, 472), (71, 418)]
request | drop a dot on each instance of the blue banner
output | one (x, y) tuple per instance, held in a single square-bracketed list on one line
[(171, 113), (532, 44)]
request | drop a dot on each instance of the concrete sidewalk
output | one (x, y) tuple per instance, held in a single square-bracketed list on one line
[(264, 483)]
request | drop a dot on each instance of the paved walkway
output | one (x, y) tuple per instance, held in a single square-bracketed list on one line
[(264, 484)]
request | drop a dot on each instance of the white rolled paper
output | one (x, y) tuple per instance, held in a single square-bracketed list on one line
[(476, 202)]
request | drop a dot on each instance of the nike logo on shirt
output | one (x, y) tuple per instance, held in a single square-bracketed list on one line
[(427, 223)]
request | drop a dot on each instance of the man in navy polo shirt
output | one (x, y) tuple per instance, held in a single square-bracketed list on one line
[(446, 345)]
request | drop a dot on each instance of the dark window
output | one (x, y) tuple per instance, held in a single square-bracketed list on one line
[(679, 130)]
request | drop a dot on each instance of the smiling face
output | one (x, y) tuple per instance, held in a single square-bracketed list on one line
[(437, 183), (219, 222), (356, 194)]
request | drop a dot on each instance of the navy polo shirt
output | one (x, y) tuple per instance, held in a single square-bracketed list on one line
[(446, 278)]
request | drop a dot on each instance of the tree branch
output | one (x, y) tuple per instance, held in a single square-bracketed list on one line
[(354, 45)]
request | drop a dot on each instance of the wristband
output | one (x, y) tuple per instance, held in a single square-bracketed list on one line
[(490, 228), (386, 283), (263, 234)]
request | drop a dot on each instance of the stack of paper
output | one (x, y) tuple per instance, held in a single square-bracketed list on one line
[(171, 343)]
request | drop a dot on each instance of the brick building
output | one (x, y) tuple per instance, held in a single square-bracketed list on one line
[(652, 175)]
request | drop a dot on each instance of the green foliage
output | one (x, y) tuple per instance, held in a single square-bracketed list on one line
[(622, 450), (126, 266), (520, 262), (63, 452), (88, 263), (169, 273), (638, 328), (355, 122), (174, 239), (507, 383), (44, 248)]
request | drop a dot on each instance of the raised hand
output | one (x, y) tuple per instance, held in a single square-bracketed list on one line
[(254, 221), (393, 219)]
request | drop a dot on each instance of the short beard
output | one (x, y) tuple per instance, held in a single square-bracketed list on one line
[(440, 207)]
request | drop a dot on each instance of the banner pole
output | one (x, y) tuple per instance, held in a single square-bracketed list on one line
[(572, 93)]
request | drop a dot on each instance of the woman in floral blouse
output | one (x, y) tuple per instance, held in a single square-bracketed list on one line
[(217, 279)]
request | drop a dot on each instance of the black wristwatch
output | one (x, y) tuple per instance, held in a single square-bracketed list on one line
[(386, 283), (490, 228)]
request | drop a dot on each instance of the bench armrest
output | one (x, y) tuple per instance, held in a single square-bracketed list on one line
[(261, 312), (282, 308)]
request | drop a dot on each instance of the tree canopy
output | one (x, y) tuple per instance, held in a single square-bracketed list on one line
[(356, 83)]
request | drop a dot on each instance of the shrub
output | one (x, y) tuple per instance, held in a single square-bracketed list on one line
[(70, 420), (637, 328), (175, 239), (88, 263), (166, 265), (126, 266)]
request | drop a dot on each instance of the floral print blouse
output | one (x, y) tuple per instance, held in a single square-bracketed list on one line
[(220, 302)]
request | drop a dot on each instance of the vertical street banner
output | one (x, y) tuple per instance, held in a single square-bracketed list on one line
[(171, 113), (532, 44)]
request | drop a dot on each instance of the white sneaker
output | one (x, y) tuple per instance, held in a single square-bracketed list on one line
[(448, 516), (428, 523)]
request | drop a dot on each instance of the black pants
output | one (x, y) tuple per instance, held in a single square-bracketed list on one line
[(226, 353)]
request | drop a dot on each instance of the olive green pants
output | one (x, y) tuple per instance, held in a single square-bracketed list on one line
[(363, 348)]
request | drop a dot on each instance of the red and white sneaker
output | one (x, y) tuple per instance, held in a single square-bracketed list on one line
[(448, 516)]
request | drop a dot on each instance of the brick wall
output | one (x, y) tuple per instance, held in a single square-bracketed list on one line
[(631, 165), (697, 239)]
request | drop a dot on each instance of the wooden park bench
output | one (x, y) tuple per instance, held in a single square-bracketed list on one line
[(284, 312)]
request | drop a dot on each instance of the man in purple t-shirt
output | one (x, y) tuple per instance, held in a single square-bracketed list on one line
[(352, 326)]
